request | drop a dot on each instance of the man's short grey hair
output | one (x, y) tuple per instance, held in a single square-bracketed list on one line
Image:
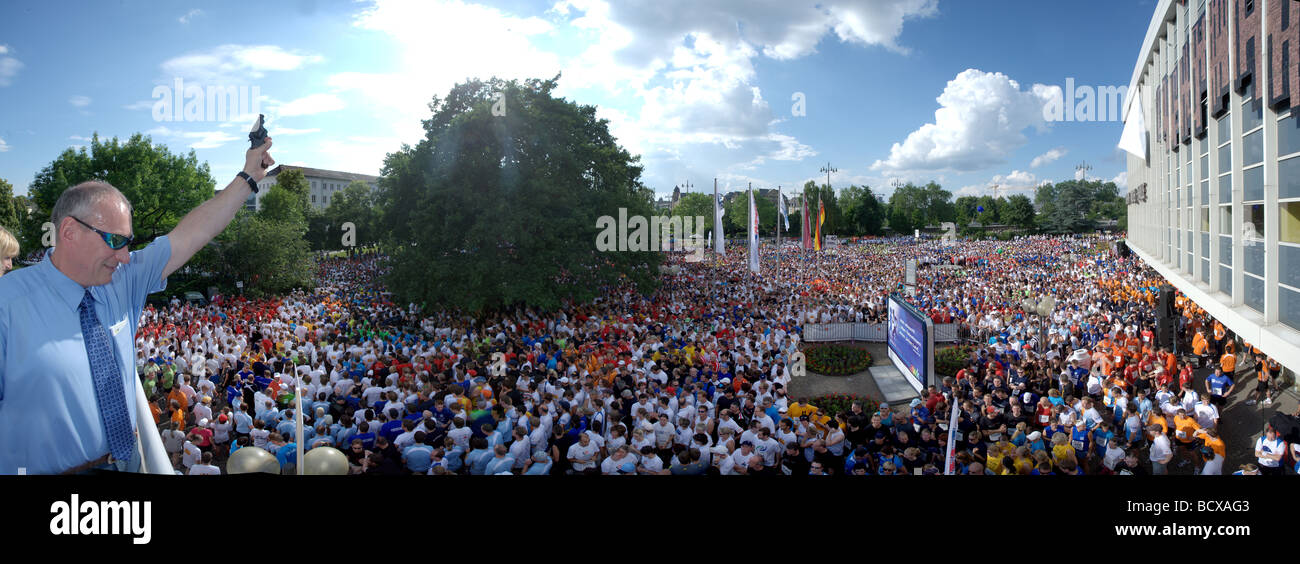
[(80, 200)]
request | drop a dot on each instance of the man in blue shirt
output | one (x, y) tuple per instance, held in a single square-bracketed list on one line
[(1219, 386), (51, 417)]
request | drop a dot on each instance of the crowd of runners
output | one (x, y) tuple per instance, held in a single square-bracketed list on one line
[(693, 378)]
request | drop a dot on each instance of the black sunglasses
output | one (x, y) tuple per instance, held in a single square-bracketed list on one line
[(113, 240)]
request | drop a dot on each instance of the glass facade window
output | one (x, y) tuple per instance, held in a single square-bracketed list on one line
[(1253, 252), (1225, 280), (1288, 265), (1288, 178), (1225, 189), (1225, 220), (1288, 136), (1205, 191), (1225, 250), (1205, 165), (1254, 293), (1252, 147), (1225, 133), (1252, 184), (1225, 158), (1205, 271), (1289, 307), (1252, 115)]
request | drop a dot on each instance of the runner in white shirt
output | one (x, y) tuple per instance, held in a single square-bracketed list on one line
[(582, 454)]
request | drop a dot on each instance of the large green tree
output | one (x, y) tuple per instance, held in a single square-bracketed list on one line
[(1075, 206), (864, 213), (351, 220), (11, 212), (1018, 211), (270, 256), (736, 220), (161, 186), (501, 203), (823, 195), (913, 207)]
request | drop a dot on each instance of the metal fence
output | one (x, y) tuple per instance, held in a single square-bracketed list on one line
[(868, 332)]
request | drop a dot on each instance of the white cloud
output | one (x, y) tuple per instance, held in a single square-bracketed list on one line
[(1014, 182), (1121, 181), (702, 54), (1048, 157), (310, 105), (190, 15), (3, 146), (689, 65), (79, 101), (235, 64), (9, 66), (1016, 179), (141, 105), (360, 155), (203, 139), (79, 138), (980, 122)]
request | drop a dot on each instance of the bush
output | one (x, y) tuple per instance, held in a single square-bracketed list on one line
[(948, 361), (832, 404), (836, 360)]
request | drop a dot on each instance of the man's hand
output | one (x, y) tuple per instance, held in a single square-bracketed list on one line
[(210, 218), (258, 160)]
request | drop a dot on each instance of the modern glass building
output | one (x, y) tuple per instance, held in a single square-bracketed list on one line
[(1212, 127)]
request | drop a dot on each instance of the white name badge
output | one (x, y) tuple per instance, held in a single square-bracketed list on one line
[(117, 328)]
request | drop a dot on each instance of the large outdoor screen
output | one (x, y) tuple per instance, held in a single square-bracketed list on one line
[(911, 343)]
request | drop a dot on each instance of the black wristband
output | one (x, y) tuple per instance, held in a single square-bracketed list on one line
[(251, 183)]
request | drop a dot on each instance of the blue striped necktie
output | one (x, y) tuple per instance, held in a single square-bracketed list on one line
[(107, 374)]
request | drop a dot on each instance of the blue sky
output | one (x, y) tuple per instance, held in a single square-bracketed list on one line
[(893, 90)]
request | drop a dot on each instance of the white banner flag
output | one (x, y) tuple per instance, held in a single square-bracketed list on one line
[(753, 233), (950, 467)]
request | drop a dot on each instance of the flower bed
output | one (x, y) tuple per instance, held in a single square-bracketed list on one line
[(832, 404), (836, 360)]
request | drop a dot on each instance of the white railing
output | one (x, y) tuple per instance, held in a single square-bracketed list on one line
[(869, 332), (153, 457)]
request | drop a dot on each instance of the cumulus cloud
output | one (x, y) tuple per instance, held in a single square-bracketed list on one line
[(980, 121), (79, 101), (9, 66), (1016, 181), (3, 146), (235, 64), (1047, 157), (1121, 181), (195, 139)]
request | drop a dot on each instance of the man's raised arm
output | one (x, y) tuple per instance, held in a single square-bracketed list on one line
[(203, 223)]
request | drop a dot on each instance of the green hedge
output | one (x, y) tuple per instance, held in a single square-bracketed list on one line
[(836, 360), (832, 404), (948, 361)]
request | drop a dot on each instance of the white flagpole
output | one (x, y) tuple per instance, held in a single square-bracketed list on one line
[(297, 396), (717, 221)]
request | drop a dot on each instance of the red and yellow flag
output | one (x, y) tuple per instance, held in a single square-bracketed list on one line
[(821, 218)]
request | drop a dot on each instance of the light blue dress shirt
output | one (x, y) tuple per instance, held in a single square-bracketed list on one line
[(49, 417)]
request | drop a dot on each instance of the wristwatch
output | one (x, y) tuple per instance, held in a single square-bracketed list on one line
[(251, 183)]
